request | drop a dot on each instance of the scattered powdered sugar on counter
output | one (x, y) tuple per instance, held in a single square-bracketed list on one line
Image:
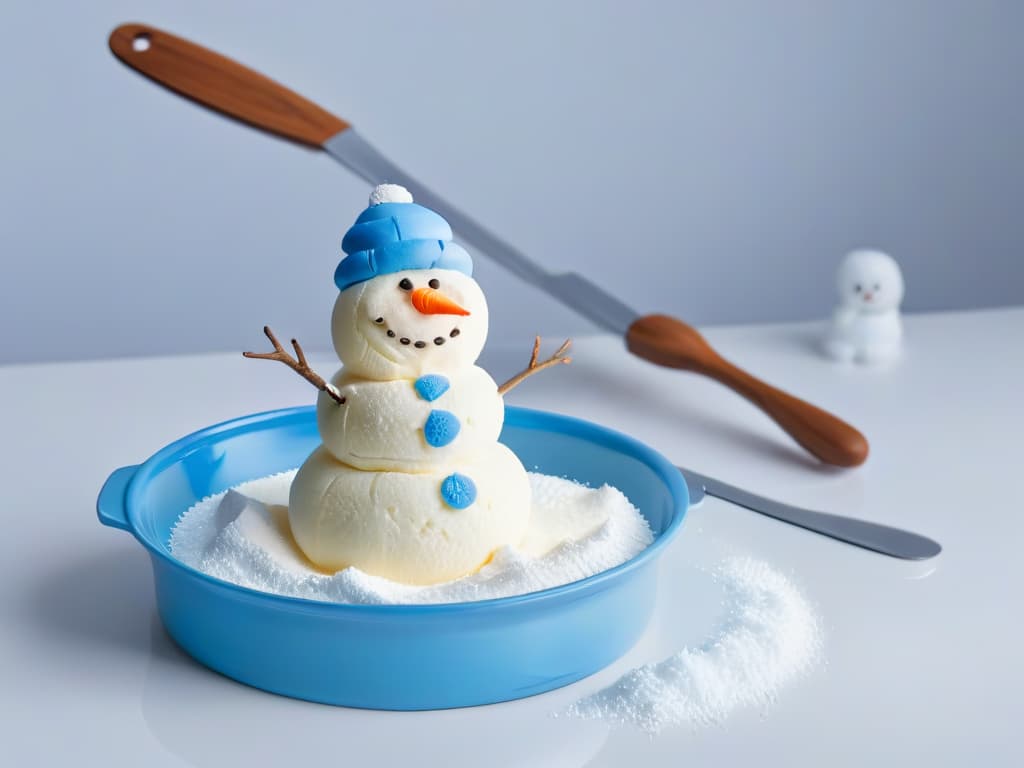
[(770, 636), (241, 536)]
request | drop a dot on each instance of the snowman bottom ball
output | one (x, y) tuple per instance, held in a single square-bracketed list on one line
[(415, 528)]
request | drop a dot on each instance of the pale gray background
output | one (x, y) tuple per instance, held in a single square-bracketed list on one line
[(713, 160)]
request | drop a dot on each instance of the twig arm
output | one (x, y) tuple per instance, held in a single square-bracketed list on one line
[(535, 367), (300, 366)]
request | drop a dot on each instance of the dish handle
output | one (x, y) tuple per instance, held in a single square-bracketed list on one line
[(110, 505)]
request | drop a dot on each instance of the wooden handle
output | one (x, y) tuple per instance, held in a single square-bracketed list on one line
[(666, 341), (222, 84)]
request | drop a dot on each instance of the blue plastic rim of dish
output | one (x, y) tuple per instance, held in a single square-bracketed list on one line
[(401, 657)]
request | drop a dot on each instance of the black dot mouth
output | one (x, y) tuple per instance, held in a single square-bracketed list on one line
[(418, 343)]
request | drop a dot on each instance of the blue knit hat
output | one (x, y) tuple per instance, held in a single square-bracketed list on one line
[(395, 234)]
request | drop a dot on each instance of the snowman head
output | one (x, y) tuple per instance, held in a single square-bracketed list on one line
[(408, 303), (870, 281), (409, 323)]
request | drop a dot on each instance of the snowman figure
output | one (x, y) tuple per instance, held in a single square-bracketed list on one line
[(866, 326), (410, 482)]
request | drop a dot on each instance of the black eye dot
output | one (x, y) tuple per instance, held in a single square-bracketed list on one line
[(391, 333), (379, 320), (857, 287), (406, 284), (420, 344), (454, 333), (404, 340), (439, 341), (435, 283), (878, 287)]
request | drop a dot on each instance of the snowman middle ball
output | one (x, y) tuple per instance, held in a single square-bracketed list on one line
[(384, 424)]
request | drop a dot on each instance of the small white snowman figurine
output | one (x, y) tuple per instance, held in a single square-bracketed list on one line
[(866, 326), (410, 482)]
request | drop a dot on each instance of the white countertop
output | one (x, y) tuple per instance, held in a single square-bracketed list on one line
[(922, 660)]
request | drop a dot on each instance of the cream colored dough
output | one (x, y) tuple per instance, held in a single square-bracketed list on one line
[(396, 525), (365, 348), (380, 426)]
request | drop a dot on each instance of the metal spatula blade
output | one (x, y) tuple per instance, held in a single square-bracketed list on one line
[(884, 539)]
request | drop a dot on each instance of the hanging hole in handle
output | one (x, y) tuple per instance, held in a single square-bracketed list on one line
[(140, 43)]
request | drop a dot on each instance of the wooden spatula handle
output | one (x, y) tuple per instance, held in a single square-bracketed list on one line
[(667, 341), (222, 84)]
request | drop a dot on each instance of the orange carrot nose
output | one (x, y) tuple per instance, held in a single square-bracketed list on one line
[(431, 301)]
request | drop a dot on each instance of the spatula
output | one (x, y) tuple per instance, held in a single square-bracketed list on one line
[(884, 539), (234, 90)]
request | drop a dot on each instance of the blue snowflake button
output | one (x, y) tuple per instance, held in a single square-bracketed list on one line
[(431, 386), (458, 491), (441, 428)]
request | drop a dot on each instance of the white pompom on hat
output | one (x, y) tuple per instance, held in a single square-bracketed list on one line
[(389, 193)]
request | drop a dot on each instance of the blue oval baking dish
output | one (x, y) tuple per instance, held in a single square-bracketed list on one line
[(396, 656)]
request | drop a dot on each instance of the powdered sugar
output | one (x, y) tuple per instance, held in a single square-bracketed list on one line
[(769, 636), (241, 536)]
